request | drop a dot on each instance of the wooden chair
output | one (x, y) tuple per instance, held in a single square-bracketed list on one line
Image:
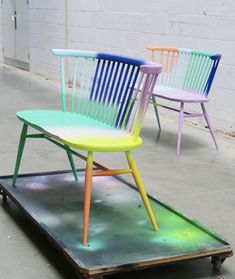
[(104, 112), (186, 77)]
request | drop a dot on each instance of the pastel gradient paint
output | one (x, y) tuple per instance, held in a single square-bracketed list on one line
[(103, 109), (187, 77)]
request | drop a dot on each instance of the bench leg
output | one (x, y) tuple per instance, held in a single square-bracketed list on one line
[(70, 157), (87, 196), (180, 126), (209, 125), (140, 185), (20, 152), (156, 112)]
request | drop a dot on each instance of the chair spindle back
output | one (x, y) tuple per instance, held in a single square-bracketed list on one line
[(186, 69), (107, 88)]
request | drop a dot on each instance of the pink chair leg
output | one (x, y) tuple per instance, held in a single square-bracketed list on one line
[(180, 126), (209, 124)]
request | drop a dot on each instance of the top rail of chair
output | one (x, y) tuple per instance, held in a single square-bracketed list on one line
[(213, 55), (163, 47), (100, 55)]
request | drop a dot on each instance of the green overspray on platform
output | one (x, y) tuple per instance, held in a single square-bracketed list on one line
[(120, 232)]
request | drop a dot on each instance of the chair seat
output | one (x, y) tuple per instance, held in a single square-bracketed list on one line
[(179, 95), (79, 131)]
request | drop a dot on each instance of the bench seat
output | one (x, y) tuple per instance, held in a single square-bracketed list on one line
[(79, 131)]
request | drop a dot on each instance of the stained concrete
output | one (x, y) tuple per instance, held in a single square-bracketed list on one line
[(201, 183)]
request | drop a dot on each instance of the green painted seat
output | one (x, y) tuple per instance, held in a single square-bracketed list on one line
[(79, 131)]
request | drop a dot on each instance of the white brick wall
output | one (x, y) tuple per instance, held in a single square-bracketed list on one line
[(0, 31), (47, 31), (128, 26)]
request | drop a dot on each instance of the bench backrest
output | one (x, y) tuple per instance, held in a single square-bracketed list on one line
[(112, 89), (186, 69)]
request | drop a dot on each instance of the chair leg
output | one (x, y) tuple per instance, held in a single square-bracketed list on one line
[(209, 125), (70, 157), (156, 112), (87, 196), (20, 152), (180, 126), (140, 185)]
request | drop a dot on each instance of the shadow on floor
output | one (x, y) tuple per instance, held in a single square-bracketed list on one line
[(168, 139)]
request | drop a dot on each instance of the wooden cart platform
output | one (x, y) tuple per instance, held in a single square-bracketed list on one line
[(120, 234)]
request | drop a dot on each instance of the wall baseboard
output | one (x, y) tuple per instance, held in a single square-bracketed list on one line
[(16, 63)]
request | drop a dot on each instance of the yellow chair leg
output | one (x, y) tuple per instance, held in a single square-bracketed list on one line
[(87, 196), (140, 185)]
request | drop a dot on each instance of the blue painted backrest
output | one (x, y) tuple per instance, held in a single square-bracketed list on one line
[(107, 87)]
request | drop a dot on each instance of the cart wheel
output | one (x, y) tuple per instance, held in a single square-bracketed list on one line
[(4, 196), (87, 276), (217, 263)]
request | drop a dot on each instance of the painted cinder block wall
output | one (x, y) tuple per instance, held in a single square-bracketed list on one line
[(47, 31), (128, 26), (0, 31)]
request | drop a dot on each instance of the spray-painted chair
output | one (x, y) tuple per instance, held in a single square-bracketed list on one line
[(103, 113), (186, 77)]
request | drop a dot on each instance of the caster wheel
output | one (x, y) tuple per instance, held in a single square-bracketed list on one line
[(4, 197), (217, 263)]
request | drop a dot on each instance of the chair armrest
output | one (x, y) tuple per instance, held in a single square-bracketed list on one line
[(152, 68)]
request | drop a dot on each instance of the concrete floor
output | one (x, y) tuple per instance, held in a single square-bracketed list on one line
[(201, 183)]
